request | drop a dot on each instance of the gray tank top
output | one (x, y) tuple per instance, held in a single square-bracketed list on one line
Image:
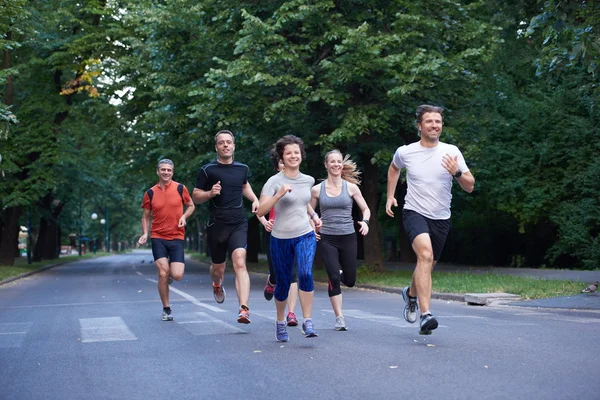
[(336, 212)]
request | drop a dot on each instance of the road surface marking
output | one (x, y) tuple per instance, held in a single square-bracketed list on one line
[(200, 323), (191, 298), (108, 329), (12, 334)]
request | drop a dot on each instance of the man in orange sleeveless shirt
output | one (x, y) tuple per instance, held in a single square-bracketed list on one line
[(165, 201)]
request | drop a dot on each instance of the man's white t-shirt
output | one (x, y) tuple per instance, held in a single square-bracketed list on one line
[(429, 184)]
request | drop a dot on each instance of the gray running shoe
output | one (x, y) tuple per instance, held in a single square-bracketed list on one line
[(219, 293), (428, 323), (410, 308), (166, 315), (340, 323)]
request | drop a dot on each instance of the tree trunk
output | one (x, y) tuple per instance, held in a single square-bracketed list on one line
[(10, 235), (45, 247), (373, 247)]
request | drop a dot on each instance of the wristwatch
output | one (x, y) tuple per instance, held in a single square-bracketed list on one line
[(458, 174)]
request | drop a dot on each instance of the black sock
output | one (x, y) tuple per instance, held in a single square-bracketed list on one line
[(167, 309), (408, 293), (243, 307)]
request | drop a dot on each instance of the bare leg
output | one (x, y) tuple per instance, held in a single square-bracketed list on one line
[(336, 304), (280, 306), (217, 272), (162, 265), (177, 269), (292, 297), (242, 279), (306, 300), (421, 282)]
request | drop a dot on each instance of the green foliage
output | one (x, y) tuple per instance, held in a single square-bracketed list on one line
[(571, 35)]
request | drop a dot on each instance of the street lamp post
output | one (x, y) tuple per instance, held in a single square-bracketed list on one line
[(94, 217)]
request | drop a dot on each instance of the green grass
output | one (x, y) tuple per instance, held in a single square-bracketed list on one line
[(449, 282), (21, 266)]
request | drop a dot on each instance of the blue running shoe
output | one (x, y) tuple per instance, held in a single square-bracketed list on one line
[(281, 332), (308, 330)]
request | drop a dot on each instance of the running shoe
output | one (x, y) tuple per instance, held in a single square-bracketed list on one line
[(170, 280), (410, 308), (244, 315), (340, 324), (291, 319), (428, 323), (281, 333), (269, 289), (308, 330), (166, 314), (219, 293)]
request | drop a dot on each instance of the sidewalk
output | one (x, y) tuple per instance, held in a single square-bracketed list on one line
[(580, 301)]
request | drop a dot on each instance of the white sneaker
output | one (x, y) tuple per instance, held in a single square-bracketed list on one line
[(340, 323)]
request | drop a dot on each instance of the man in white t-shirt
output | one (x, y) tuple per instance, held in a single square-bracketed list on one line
[(431, 166)]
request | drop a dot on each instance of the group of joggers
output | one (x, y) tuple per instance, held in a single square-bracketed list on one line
[(294, 230)]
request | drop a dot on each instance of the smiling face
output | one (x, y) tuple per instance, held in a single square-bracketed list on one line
[(225, 147), (430, 127), (334, 164), (292, 156), (165, 173)]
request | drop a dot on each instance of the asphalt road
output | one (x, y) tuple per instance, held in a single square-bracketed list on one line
[(92, 330)]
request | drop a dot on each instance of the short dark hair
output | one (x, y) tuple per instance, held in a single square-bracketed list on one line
[(289, 139), (225, 132), (165, 161), (425, 108)]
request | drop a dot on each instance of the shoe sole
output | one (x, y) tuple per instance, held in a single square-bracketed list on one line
[(292, 323), (167, 318), (281, 340), (428, 327), (309, 335), (243, 319), (268, 296), (341, 329), (223, 300)]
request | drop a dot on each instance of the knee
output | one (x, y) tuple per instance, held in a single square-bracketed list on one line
[(425, 255), (163, 273), (177, 276)]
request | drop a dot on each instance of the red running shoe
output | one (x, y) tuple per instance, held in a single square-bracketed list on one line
[(291, 319)]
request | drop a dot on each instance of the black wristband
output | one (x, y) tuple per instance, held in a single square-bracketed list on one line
[(366, 221)]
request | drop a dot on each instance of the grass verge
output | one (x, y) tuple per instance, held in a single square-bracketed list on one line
[(21, 266), (450, 282)]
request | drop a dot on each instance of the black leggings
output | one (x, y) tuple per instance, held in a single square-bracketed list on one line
[(272, 275), (339, 252)]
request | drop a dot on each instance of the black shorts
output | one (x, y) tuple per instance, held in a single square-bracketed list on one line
[(438, 229), (170, 249), (224, 238)]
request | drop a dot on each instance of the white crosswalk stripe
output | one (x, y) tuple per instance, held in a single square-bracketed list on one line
[(107, 329)]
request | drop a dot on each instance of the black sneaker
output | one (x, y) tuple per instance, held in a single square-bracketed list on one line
[(428, 323), (170, 280)]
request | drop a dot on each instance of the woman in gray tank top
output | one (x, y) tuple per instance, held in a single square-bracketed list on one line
[(337, 245)]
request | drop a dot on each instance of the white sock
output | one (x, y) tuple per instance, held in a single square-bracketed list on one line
[(281, 322)]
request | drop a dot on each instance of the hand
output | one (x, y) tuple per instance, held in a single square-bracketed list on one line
[(182, 222), (216, 189), (285, 189), (318, 223), (255, 205), (364, 228), (450, 163), (269, 225), (143, 239), (391, 201), (317, 236)]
